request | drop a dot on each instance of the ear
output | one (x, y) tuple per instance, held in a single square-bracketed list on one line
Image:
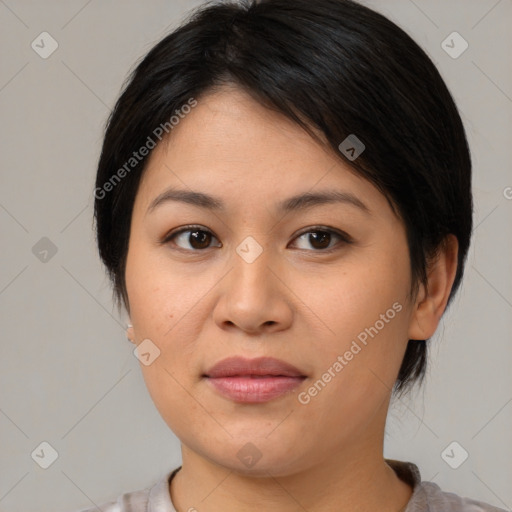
[(431, 300), (130, 334)]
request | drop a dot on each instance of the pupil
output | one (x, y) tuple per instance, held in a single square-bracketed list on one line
[(322, 236), (194, 237)]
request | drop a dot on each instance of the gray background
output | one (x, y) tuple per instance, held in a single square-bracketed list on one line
[(67, 373)]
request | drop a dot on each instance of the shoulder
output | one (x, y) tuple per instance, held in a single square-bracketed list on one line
[(428, 496), (111, 506), (135, 501), (153, 497)]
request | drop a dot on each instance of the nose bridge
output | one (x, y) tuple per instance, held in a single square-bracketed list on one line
[(250, 250), (251, 298), (251, 263)]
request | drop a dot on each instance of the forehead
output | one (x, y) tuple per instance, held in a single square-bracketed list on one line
[(233, 147)]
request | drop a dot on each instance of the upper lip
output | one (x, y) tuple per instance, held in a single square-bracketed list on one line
[(240, 366)]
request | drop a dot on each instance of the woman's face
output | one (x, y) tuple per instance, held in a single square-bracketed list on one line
[(320, 285)]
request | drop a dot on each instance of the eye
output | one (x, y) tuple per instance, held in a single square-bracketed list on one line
[(320, 238), (197, 238)]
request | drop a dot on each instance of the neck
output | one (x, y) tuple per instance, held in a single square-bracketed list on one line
[(355, 478)]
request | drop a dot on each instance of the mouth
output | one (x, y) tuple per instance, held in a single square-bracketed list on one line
[(253, 380)]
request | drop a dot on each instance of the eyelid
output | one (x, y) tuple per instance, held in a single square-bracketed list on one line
[(345, 237), (338, 232), (191, 227)]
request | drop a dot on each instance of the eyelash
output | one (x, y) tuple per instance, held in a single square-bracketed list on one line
[(344, 237)]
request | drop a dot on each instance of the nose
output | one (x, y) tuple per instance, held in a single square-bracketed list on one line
[(254, 297)]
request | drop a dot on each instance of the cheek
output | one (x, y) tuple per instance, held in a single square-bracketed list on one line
[(365, 310), (159, 294), (166, 306), (162, 309), (356, 367), (355, 297)]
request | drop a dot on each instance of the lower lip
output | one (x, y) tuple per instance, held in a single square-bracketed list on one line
[(254, 389)]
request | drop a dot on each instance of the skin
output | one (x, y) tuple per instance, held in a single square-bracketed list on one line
[(295, 302)]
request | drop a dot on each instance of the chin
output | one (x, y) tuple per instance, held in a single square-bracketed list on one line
[(260, 457)]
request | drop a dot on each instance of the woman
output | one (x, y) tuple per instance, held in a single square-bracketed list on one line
[(283, 204)]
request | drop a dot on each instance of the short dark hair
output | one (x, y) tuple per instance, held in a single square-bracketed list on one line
[(334, 65)]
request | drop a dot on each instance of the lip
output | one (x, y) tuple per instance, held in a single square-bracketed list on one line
[(253, 380)]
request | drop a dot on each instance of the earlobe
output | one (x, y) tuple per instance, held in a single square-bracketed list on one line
[(431, 300), (130, 334)]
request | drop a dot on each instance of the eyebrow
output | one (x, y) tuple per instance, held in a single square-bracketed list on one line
[(298, 202)]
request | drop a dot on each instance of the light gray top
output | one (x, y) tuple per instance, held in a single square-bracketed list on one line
[(426, 496)]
